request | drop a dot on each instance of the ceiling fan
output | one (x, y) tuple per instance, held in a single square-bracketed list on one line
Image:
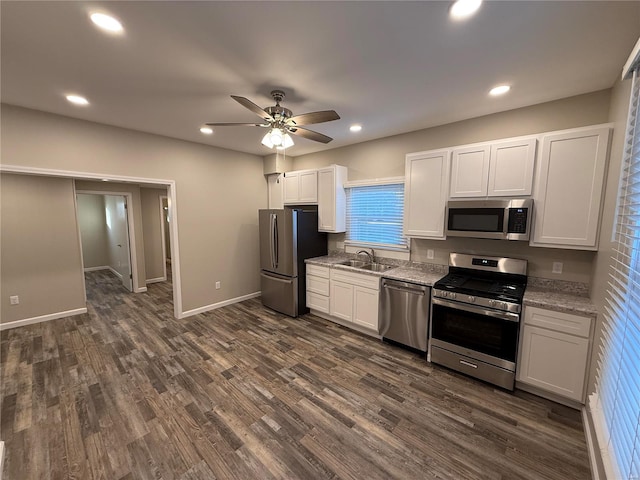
[(281, 122)]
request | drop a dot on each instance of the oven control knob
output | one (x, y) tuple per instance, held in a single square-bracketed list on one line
[(504, 305), (443, 294), (492, 303), (452, 295), (472, 299)]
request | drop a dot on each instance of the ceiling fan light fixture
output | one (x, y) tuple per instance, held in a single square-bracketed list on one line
[(287, 142), (276, 136)]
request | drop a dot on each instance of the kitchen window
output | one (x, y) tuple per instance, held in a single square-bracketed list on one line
[(615, 407), (374, 215)]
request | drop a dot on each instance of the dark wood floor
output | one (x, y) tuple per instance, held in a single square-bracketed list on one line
[(126, 391)]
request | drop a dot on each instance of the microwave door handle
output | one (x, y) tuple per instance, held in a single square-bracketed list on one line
[(505, 224)]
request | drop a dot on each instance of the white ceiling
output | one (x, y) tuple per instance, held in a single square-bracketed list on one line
[(391, 66)]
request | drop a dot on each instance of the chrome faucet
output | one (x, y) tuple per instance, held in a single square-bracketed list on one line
[(371, 255)]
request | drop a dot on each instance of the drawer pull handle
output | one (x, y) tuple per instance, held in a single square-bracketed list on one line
[(468, 364)]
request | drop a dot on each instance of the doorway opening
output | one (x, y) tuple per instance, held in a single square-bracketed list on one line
[(106, 231)]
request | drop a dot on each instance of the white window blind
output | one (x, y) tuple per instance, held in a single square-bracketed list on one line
[(374, 215), (618, 387)]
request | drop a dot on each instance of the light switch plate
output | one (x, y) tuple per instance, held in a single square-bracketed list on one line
[(217, 285), (557, 267), (14, 300), (430, 254)]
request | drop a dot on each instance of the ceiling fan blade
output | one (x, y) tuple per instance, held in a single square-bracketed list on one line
[(237, 124), (314, 117), (246, 103), (310, 134)]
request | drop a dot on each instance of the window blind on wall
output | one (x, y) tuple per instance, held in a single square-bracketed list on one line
[(618, 383), (374, 215)]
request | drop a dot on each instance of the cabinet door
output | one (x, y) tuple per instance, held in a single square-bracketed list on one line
[(470, 171), (365, 307), (569, 186), (291, 188), (308, 186), (275, 187), (425, 193), (511, 168), (341, 300), (553, 361), (332, 205), (317, 302)]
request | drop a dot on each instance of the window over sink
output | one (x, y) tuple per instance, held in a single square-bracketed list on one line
[(374, 215)]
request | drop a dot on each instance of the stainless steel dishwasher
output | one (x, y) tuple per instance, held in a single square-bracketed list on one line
[(404, 313)]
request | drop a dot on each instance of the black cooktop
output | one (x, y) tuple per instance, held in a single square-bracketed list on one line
[(509, 288)]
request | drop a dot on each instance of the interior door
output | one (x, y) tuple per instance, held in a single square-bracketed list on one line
[(118, 234)]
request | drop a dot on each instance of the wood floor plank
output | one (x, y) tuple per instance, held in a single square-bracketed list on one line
[(127, 392)]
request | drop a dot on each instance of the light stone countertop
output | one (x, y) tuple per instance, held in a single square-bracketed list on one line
[(421, 273), (559, 301), (552, 295)]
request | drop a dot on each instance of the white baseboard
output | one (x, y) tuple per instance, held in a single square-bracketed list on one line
[(213, 306), (42, 318), (592, 445), (94, 269), (115, 272), (344, 323), (140, 290), (1, 458), (156, 280)]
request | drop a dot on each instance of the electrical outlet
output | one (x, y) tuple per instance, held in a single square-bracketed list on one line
[(217, 285), (14, 299), (430, 254), (557, 267)]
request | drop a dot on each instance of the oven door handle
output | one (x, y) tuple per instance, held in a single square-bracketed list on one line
[(509, 316)]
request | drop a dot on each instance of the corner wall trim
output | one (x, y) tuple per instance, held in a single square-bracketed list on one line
[(42, 318), (213, 306)]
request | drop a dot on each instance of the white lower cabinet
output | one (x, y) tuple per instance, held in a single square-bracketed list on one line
[(318, 288), (348, 297), (554, 352)]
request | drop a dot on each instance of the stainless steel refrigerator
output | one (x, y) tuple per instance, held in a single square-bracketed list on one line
[(287, 238)]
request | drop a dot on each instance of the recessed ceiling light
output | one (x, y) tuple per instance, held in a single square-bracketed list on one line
[(464, 9), (106, 22), (355, 128), (105, 179), (499, 90), (206, 130), (77, 100)]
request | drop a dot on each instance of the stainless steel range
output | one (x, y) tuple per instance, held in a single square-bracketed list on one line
[(476, 317)]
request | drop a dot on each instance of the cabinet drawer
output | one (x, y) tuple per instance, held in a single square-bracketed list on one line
[(318, 271), (359, 279), (318, 302), (558, 321), (317, 285)]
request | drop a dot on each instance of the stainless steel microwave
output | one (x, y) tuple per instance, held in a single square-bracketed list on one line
[(506, 219)]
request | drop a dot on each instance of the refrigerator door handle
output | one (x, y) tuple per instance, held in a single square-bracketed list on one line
[(276, 279), (271, 219), (275, 241)]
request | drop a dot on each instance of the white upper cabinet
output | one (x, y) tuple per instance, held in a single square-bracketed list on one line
[(511, 168), (426, 190), (569, 186), (497, 169), (301, 187), (332, 204), (470, 171)]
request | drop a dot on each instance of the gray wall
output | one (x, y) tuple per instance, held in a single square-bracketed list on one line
[(40, 255), (218, 191), (153, 231), (385, 158), (93, 231)]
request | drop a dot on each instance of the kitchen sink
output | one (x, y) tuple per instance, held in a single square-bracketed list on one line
[(374, 267), (354, 263)]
